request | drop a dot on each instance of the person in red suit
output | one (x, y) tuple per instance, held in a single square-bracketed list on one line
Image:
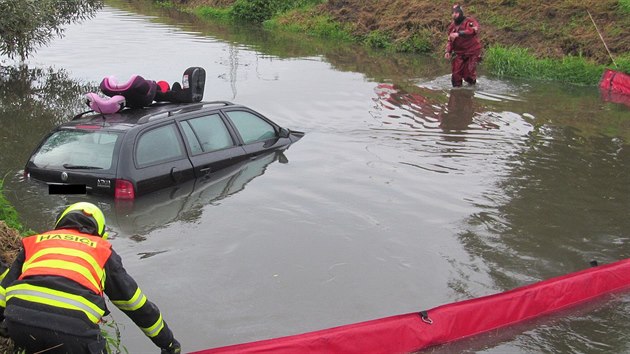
[(463, 47)]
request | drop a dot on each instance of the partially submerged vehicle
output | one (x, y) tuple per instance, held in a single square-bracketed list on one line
[(126, 151)]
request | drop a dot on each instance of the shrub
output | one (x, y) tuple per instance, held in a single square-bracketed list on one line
[(420, 42), (262, 10), (378, 39)]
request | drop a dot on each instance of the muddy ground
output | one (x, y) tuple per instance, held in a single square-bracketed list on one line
[(549, 28), (9, 243)]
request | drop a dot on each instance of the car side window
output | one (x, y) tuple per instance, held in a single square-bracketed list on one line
[(195, 146), (207, 133), (251, 127), (157, 145)]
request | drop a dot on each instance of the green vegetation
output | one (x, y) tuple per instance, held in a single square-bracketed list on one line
[(420, 42), (8, 214), (111, 332), (25, 25), (224, 14), (624, 5), (256, 11), (315, 25), (519, 62)]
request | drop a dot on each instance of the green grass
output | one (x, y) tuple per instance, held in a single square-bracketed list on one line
[(224, 14), (420, 42), (8, 214), (257, 11), (502, 22), (320, 26), (520, 63), (623, 63), (624, 5), (378, 39)]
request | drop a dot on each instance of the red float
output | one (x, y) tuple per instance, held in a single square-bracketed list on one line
[(615, 87)]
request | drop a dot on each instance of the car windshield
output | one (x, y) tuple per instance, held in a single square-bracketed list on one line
[(77, 149)]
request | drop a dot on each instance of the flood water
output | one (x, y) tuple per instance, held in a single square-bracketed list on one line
[(403, 195)]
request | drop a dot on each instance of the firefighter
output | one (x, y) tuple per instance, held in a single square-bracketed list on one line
[(52, 296), (464, 43)]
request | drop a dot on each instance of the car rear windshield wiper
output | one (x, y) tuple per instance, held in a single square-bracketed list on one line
[(80, 167)]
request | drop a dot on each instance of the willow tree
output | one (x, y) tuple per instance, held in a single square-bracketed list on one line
[(28, 24)]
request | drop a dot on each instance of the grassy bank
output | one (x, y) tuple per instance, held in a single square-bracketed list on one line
[(526, 39), (10, 242), (518, 62), (8, 214)]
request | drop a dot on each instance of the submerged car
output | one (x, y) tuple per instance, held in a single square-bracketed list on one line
[(138, 151)]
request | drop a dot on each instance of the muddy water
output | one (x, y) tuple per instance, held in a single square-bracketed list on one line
[(404, 194)]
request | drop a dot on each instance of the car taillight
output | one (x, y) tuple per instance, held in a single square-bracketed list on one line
[(124, 190)]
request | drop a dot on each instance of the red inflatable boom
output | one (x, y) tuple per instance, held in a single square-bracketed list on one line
[(451, 322), (614, 86)]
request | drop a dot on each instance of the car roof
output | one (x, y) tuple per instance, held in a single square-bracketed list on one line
[(131, 117)]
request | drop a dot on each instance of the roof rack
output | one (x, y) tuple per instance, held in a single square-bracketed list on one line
[(171, 111), (225, 103), (80, 115)]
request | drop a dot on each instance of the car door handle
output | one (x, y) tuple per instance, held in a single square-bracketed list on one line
[(205, 170)]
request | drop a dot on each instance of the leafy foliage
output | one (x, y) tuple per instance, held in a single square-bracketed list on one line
[(262, 10), (28, 24), (110, 330)]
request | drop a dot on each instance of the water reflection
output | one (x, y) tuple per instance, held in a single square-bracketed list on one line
[(459, 111), (454, 111), (32, 101), (564, 203), (343, 56), (184, 203)]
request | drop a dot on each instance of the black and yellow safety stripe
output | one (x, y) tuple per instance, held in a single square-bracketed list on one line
[(137, 301), (3, 296), (155, 329), (56, 298)]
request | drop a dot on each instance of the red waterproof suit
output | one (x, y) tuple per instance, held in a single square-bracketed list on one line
[(467, 49)]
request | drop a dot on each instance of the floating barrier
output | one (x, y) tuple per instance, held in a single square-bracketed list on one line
[(451, 322), (614, 86)]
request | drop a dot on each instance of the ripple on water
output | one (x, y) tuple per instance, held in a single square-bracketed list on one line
[(448, 132)]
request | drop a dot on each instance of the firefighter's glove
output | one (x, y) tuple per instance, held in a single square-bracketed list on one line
[(173, 348), (4, 331)]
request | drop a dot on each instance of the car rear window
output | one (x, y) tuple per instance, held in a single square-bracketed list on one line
[(77, 149)]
